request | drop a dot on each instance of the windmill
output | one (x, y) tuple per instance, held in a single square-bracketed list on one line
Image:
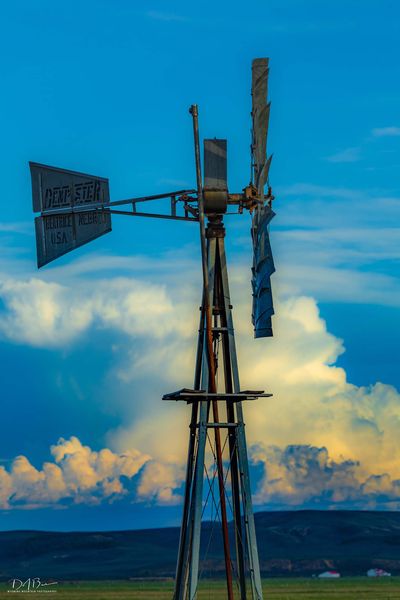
[(75, 208)]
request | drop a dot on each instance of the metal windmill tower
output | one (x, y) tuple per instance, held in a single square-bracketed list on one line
[(76, 209)]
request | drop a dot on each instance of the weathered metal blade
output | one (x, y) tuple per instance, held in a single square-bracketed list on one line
[(215, 164), (263, 175), (59, 230), (260, 118), (60, 233), (55, 189), (215, 190), (263, 267)]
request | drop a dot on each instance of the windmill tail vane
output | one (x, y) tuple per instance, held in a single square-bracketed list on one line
[(74, 209)]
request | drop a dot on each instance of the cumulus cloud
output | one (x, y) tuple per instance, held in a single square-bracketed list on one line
[(160, 482), (35, 313), (301, 475), (297, 474), (50, 314), (292, 476), (313, 403), (79, 474), (351, 430), (349, 434)]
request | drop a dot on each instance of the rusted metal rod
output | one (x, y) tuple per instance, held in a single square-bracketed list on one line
[(180, 195), (210, 353)]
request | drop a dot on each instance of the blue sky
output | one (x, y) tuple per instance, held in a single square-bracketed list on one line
[(86, 343)]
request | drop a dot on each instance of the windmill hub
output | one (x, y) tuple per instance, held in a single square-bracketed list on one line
[(215, 227), (215, 201)]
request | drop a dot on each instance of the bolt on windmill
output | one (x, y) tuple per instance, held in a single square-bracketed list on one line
[(75, 209)]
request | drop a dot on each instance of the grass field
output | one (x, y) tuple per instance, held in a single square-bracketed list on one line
[(276, 589)]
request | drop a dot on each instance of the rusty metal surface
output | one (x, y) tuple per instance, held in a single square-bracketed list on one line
[(212, 385), (179, 195), (191, 395), (246, 556), (153, 215), (215, 201)]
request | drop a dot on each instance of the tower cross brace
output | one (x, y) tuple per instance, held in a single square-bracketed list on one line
[(204, 420)]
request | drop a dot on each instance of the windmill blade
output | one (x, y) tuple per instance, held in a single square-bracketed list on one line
[(263, 263), (260, 117), (263, 267), (263, 175)]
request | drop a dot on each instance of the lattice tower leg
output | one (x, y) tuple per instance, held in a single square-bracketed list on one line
[(187, 571)]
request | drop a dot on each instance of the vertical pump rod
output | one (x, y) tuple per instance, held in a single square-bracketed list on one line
[(195, 115), (210, 352)]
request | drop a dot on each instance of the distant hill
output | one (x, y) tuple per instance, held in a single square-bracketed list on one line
[(290, 543)]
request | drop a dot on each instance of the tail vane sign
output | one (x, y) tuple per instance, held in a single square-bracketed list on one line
[(72, 210), (60, 233), (58, 189)]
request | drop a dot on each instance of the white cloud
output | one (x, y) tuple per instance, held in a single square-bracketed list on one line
[(313, 402), (300, 473), (6, 487), (46, 314), (346, 436), (160, 481), (168, 17), (307, 476), (386, 131), (23, 227), (349, 155), (314, 406), (310, 189), (336, 244), (354, 153), (323, 207), (35, 313), (78, 474)]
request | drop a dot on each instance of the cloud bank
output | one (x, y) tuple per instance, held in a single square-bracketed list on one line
[(79, 475), (319, 441), (391, 131), (49, 314), (297, 475), (307, 476)]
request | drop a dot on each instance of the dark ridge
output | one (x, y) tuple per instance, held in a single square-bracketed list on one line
[(291, 543)]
